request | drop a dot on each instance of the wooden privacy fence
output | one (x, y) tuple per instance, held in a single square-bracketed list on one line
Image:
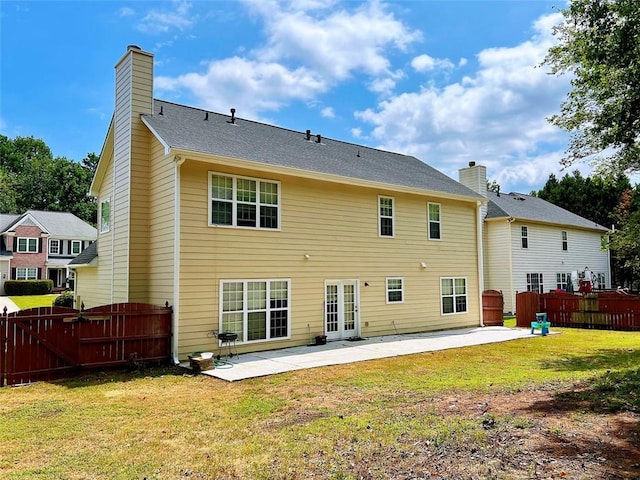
[(56, 342), (492, 308), (603, 310)]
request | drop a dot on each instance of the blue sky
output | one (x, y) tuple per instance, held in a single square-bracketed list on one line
[(446, 81)]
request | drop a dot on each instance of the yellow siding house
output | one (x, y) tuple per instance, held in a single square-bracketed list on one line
[(273, 234)]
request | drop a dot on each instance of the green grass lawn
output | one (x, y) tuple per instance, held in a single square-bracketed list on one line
[(32, 301), (164, 423)]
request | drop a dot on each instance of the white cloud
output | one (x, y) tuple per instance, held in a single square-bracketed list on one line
[(126, 12), (161, 21), (327, 112), (496, 117), (249, 86), (425, 63), (310, 47)]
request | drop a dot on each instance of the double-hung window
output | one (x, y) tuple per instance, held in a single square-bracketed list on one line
[(26, 273), (255, 309), (27, 245), (433, 213), (105, 215), (243, 202), (524, 236), (534, 283), (565, 241), (54, 246), (76, 247), (395, 290), (385, 211), (562, 280), (453, 294)]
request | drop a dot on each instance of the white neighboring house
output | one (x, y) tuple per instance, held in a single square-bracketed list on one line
[(533, 245)]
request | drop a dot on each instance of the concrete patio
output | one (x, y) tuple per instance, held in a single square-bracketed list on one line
[(260, 364)]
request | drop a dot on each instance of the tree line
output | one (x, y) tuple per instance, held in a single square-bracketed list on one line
[(611, 202), (31, 178)]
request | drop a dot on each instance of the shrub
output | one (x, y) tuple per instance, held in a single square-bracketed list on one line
[(64, 300), (28, 287)]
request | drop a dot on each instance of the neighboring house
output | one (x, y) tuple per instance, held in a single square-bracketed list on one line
[(533, 245), (274, 234), (39, 245)]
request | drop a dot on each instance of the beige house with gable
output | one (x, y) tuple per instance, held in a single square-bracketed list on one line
[(274, 234)]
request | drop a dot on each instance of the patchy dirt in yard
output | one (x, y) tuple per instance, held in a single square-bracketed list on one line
[(522, 435)]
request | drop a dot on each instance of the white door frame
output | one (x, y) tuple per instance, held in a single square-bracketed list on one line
[(338, 313)]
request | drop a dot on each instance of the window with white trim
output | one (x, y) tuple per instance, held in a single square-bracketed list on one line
[(257, 310), (562, 280), (600, 278), (243, 202), (385, 216), (395, 290), (435, 226), (105, 215), (534, 283), (565, 241), (524, 236), (453, 294), (54, 246), (76, 247), (23, 273), (27, 245)]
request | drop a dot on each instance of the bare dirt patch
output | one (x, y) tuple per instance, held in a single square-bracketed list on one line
[(522, 435)]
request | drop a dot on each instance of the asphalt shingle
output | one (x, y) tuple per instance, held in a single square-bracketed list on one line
[(196, 130)]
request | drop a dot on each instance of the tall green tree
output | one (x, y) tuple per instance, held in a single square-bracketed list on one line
[(31, 178), (594, 198), (599, 45)]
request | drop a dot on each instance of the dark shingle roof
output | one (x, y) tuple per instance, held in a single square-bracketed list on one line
[(185, 128), (527, 207), (86, 255)]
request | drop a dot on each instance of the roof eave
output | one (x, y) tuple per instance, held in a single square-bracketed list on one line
[(301, 173), (105, 156)]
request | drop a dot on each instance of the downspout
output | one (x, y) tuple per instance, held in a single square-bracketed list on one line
[(512, 293), (179, 160), (479, 248)]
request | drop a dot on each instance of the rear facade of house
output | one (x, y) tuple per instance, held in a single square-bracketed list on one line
[(276, 235)]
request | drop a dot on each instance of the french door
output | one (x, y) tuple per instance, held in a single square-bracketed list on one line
[(341, 309)]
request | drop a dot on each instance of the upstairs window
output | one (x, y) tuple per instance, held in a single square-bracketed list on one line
[(524, 233), (565, 242), (76, 247), (27, 245), (105, 216), (54, 247), (385, 209), (243, 202), (433, 212)]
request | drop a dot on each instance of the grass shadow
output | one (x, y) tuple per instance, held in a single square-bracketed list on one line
[(120, 374), (610, 359)]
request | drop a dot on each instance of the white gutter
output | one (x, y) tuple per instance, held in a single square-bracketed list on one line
[(479, 248), (179, 160)]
